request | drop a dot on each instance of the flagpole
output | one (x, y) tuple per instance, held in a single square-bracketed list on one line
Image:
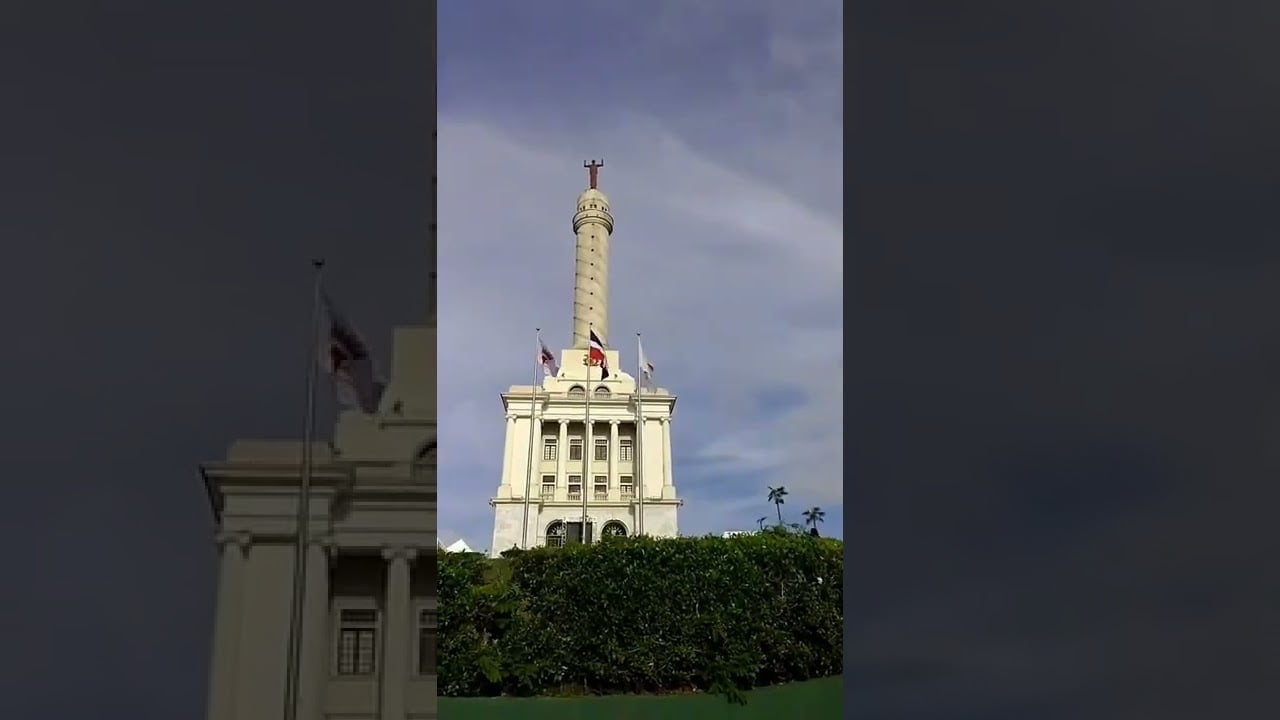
[(586, 439), (528, 478), (304, 505), (639, 458)]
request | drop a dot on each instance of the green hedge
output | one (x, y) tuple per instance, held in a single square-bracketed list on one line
[(642, 615)]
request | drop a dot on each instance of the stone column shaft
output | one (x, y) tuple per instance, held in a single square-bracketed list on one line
[(562, 458), (637, 458), (398, 630), (613, 458), (534, 456), (233, 548), (314, 672), (592, 226)]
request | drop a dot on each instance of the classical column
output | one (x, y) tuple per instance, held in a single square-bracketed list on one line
[(613, 459), (233, 546), (562, 458), (314, 672), (667, 480), (397, 634), (638, 466), (507, 463), (535, 457)]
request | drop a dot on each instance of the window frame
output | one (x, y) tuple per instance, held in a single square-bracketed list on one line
[(421, 612), (341, 627), (563, 535)]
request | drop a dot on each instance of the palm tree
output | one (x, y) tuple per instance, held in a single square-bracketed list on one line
[(776, 495), (760, 522), (813, 516)]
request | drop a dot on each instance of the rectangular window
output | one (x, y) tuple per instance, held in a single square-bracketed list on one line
[(549, 448), (575, 449), (575, 487), (548, 487), (427, 624), (626, 487), (624, 449), (357, 642), (602, 448), (602, 487)]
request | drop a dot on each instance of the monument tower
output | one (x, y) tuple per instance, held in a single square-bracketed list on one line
[(605, 457)]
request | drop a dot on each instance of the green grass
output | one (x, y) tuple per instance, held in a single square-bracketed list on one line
[(815, 699)]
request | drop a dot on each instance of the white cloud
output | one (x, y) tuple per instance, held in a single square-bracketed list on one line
[(732, 270)]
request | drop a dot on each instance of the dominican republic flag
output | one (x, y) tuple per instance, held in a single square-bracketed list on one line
[(547, 359), (646, 367), (346, 358), (596, 355)]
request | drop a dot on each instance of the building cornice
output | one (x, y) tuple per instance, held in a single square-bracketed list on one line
[(327, 480), (238, 470), (591, 503)]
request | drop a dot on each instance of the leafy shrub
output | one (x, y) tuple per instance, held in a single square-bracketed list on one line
[(638, 614)]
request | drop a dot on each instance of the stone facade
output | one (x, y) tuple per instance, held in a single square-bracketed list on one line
[(369, 600)]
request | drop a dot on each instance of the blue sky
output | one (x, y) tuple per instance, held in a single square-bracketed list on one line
[(721, 128)]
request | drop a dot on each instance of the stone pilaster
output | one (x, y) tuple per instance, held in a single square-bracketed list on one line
[(508, 459), (668, 481)]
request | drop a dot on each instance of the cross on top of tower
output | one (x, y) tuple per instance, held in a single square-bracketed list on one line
[(593, 172)]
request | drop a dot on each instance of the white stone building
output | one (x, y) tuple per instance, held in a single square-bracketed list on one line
[(605, 456), (369, 614)]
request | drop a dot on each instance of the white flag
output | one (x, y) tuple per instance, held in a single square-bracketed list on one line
[(547, 359), (646, 367)]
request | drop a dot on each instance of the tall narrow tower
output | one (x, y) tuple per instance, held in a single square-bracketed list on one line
[(593, 226), (609, 460)]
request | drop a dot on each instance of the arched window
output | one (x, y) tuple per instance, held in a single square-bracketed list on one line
[(577, 392), (555, 534), (613, 528), (602, 392)]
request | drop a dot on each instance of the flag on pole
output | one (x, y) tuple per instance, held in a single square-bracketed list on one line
[(349, 363), (646, 367), (547, 359), (596, 355)]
